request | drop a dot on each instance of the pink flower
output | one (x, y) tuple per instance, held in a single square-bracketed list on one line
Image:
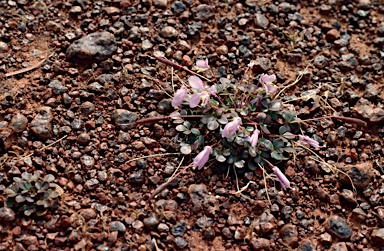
[(203, 93), (231, 127), (310, 141), (202, 64), (282, 178), (202, 158), (179, 96), (255, 137), (266, 81)]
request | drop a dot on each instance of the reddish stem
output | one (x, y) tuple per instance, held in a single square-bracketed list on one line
[(173, 64)]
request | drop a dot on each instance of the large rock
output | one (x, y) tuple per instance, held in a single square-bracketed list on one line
[(338, 226), (92, 48), (368, 111), (6, 138), (360, 174), (123, 118), (41, 125), (203, 12), (18, 123)]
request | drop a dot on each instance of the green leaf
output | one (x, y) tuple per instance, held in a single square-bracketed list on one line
[(186, 132), (226, 152), (268, 144), (10, 192), (26, 176), (289, 116), (10, 202), (186, 149), (213, 125), (29, 199), (231, 138), (276, 105), (223, 120), (252, 165), (181, 128), (239, 163), (283, 129), (277, 156), (20, 198), (178, 121), (38, 184), (49, 178), (220, 158), (25, 185), (288, 135), (250, 128), (214, 102), (207, 118), (266, 102), (278, 143), (289, 149), (231, 159), (28, 212), (187, 124), (264, 129), (273, 115), (195, 131), (244, 112)]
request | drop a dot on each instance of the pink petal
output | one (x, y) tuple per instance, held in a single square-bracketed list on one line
[(269, 89), (282, 178), (179, 96), (202, 63), (205, 97), (310, 141), (196, 83), (267, 78), (194, 100), (231, 127), (255, 137), (202, 158)]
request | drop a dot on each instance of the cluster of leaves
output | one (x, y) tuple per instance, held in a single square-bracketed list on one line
[(32, 193), (243, 123)]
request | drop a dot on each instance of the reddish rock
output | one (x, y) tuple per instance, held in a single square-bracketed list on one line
[(333, 35), (289, 235)]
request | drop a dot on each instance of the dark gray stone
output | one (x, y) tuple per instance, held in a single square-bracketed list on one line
[(92, 48)]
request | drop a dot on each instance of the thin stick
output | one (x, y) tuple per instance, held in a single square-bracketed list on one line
[(175, 65), (344, 119), (155, 243), (154, 155), (27, 68), (41, 149), (265, 184), (177, 169), (165, 184)]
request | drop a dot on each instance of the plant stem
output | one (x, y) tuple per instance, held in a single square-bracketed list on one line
[(165, 184), (344, 119)]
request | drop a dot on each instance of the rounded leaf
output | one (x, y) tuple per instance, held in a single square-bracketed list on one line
[(181, 128), (20, 198), (239, 163), (49, 178), (222, 120), (10, 192), (213, 125), (186, 149), (220, 158)]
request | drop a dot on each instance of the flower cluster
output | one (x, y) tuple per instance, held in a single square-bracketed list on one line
[(241, 125)]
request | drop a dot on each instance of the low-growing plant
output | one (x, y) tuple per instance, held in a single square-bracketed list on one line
[(244, 124), (33, 193)]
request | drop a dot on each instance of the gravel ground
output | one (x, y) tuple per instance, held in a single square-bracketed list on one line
[(74, 73)]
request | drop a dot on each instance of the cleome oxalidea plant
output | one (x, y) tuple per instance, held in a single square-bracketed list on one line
[(243, 125)]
